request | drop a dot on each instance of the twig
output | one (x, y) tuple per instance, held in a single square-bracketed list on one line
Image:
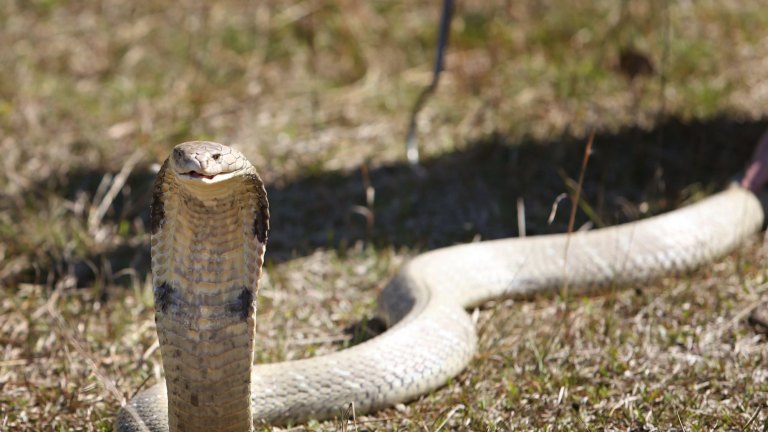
[(96, 214), (716, 333), (571, 219), (106, 382), (752, 419), (448, 417), (580, 184), (88, 357), (679, 420), (11, 363), (581, 421), (354, 416), (555, 205), (370, 197), (346, 415)]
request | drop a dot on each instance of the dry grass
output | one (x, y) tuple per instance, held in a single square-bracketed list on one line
[(311, 91)]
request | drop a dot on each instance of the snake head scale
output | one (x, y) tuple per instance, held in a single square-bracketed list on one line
[(206, 162)]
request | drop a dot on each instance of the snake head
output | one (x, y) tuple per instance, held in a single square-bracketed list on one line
[(206, 162)]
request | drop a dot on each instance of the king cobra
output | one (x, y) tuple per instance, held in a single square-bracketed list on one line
[(209, 226)]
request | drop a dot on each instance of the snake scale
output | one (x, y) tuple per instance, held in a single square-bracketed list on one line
[(209, 225)]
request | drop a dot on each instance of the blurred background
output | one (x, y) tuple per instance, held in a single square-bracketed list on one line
[(318, 94)]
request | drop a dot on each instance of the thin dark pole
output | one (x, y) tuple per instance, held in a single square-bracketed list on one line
[(411, 146)]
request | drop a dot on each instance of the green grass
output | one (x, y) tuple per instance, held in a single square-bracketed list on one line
[(311, 92)]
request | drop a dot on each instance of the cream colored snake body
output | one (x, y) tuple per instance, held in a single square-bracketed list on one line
[(431, 338)]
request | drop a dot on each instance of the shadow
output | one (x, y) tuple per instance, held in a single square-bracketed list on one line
[(458, 197), (472, 193)]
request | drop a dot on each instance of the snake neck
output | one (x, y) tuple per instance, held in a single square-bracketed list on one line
[(206, 262)]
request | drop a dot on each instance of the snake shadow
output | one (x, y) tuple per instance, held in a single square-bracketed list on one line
[(473, 193)]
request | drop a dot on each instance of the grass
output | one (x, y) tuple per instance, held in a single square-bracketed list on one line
[(311, 91)]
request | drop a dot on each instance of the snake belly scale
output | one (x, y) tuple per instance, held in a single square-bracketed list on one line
[(209, 230)]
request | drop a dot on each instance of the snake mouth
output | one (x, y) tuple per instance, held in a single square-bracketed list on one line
[(197, 175)]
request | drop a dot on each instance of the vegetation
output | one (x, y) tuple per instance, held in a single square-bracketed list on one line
[(93, 95)]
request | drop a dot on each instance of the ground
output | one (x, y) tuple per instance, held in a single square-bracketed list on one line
[(317, 94)]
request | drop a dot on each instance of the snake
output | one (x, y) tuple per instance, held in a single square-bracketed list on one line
[(209, 225)]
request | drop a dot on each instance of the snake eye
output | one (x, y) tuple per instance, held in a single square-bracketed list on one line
[(216, 156)]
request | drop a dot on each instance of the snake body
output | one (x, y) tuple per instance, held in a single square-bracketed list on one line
[(431, 338)]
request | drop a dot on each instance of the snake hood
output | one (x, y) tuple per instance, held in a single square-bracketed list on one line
[(209, 223)]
